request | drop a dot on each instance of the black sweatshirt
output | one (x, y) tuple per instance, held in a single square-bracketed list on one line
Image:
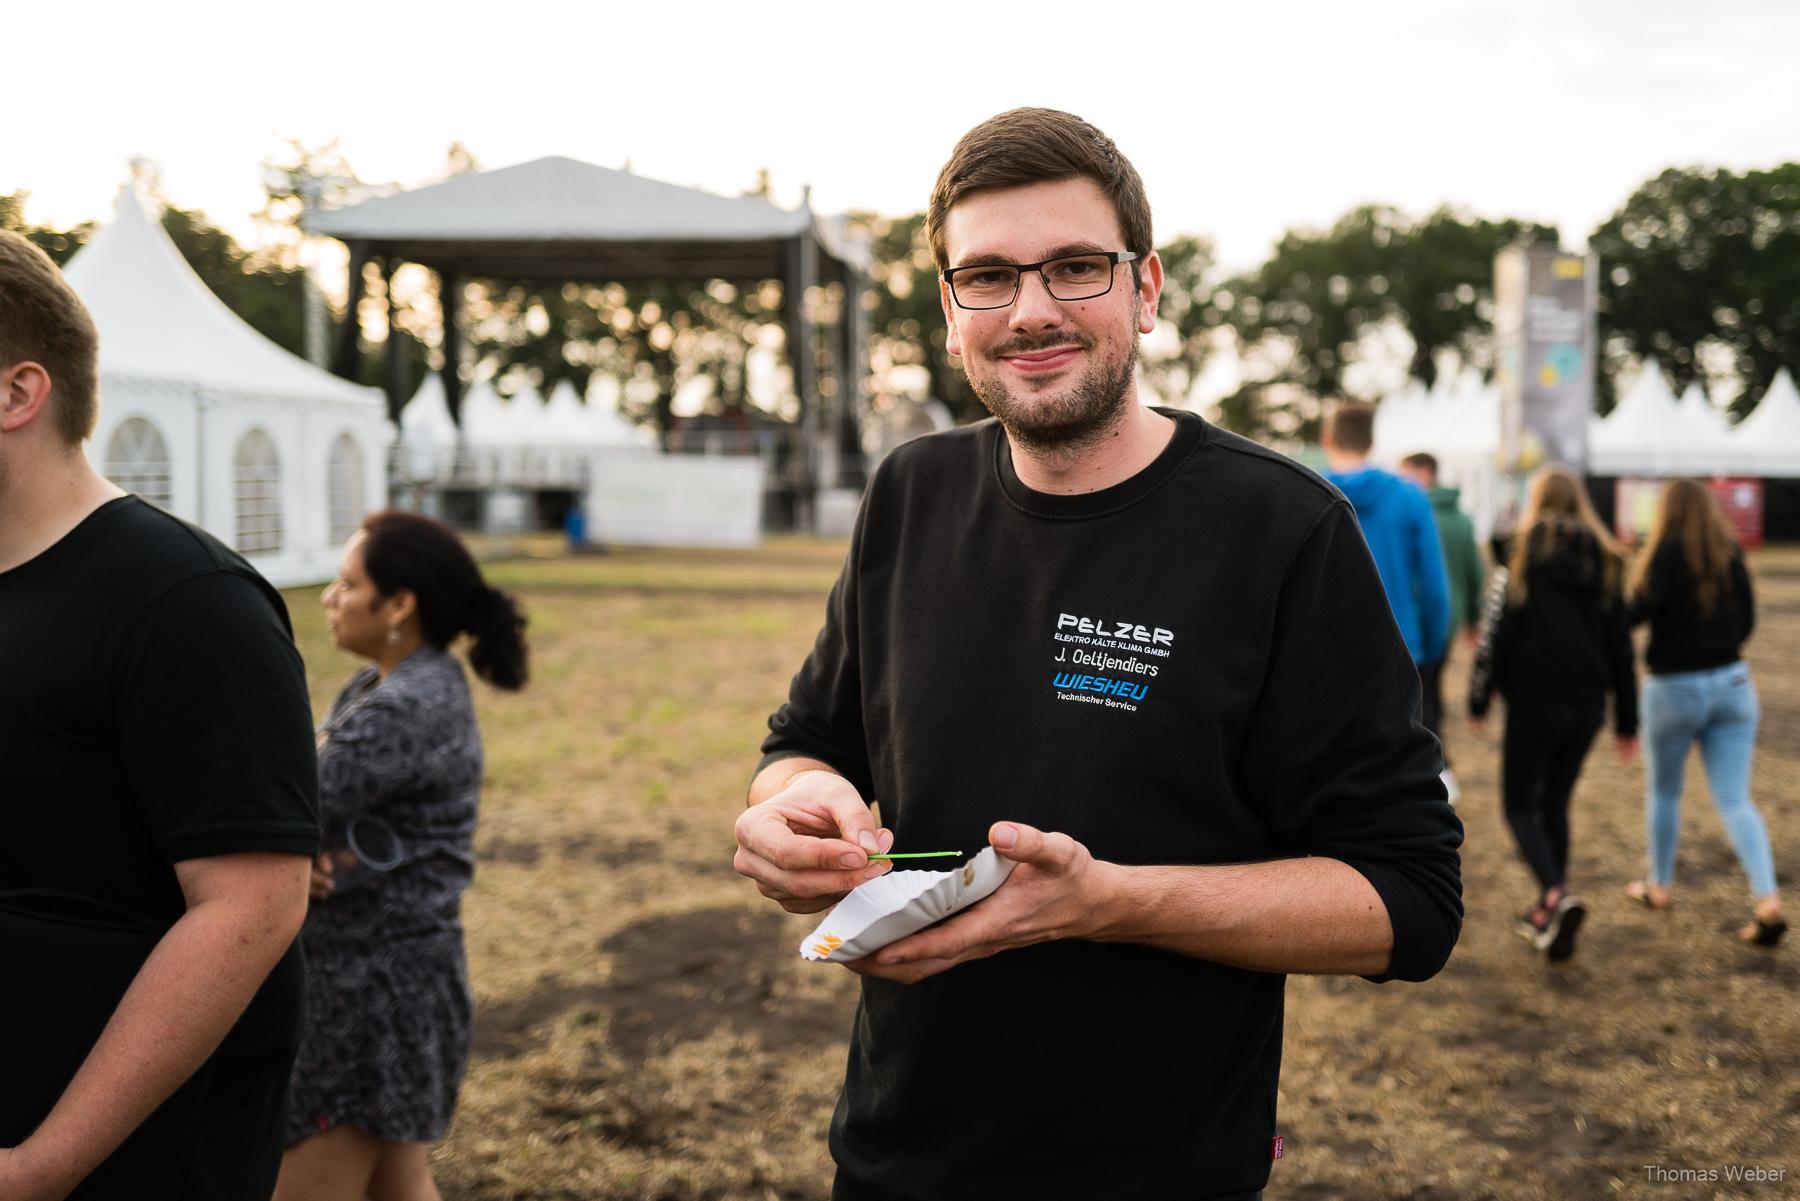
[(1682, 636), (1569, 643), (1195, 666)]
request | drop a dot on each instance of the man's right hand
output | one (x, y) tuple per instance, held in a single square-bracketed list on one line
[(808, 844)]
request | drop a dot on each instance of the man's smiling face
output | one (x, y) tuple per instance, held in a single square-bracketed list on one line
[(1057, 373)]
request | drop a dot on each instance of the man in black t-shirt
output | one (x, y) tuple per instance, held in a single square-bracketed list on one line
[(1146, 660), (158, 809)]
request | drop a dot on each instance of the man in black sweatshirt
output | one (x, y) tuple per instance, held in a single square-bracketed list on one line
[(1151, 663)]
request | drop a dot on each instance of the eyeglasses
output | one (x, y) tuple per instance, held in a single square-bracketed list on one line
[(1071, 277)]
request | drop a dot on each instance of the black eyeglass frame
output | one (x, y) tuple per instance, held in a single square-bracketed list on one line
[(1115, 257)]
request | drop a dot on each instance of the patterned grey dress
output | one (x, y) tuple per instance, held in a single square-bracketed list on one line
[(388, 1006)]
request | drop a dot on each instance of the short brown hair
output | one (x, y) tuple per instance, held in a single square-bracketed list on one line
[(42, 321), (1351, 427), (1038, 145), (1422, 460)]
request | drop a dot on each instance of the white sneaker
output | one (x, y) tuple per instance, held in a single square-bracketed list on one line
[(1450, 788)]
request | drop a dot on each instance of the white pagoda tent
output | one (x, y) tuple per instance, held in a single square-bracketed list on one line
[(428, 434), (1458, 422), (606, 426), (1649, 433), (204, 416), (1769, 438), (1698, 407)]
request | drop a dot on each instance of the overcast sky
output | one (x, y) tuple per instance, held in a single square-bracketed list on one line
[(1244, 119)]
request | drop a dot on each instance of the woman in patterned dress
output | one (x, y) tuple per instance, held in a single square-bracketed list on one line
[(387, 993)]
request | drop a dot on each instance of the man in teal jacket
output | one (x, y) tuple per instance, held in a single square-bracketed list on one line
[(1397, 523), (1462, 559)]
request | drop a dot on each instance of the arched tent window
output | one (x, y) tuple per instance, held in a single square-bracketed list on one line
[(137, 460), (256, 475), (347, 497)]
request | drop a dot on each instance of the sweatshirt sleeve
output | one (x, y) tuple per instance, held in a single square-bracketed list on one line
[(1432, 580), (823, 718), (1622, 668), (1484, 673), (1475, 575), (1651, 596), (1746, 598), (1338, 750)]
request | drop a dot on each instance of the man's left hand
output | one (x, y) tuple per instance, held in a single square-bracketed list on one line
[(1058, 890)]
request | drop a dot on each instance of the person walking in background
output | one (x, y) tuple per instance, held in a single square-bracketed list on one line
[(1691, 585), (388, 1006), (1560, 642), (1397, 523), (1462, 561)]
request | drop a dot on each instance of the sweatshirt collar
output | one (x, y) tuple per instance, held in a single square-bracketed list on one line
[(1190, 432)]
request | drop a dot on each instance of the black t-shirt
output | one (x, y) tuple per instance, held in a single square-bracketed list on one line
[(1195, 666), (1683, 636), (153, 709)]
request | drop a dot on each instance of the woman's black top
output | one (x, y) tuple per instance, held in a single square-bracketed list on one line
[(1569, 643), (1684, 637)]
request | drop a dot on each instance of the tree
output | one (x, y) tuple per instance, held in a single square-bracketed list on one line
[(268, 295), (59, 244), (1314, 309), (1701, 266), (1190, 312), (663, 333), (256, 288), (906, 324)]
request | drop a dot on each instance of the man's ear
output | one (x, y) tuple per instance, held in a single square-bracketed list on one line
[(1150, 286), (24, 393)]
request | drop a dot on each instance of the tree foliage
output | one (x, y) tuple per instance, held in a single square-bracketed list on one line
[(1699, 268), (906, 324), (1697, 260), (655, 336), (265, 293), (59, 244), (1308, 314)]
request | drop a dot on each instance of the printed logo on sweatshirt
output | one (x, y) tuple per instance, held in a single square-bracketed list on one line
[(1107, 661)]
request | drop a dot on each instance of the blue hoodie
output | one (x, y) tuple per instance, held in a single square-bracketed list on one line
[(1398, 526)]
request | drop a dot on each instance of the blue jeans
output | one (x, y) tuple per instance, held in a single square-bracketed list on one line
[(1716, 708)]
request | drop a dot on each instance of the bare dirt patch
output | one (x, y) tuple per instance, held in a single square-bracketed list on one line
[(645, 1029)]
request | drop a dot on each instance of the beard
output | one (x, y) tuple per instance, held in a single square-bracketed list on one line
[(1059, 422)]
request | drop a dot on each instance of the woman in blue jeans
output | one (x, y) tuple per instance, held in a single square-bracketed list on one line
[(1694, 590)]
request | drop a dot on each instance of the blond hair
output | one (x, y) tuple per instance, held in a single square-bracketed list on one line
[(1557, 511), (1689, 513)]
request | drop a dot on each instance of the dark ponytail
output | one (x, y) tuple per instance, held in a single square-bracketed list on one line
[(498, 652), (425, 557)]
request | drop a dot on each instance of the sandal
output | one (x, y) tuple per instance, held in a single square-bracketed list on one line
[(1640, 891), (1764, 932)]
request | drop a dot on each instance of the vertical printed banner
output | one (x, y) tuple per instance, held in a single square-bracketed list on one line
[(1544, 335)]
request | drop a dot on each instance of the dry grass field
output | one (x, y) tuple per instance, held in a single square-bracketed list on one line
[(646, 1030)]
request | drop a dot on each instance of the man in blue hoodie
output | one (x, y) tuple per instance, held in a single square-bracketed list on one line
[(1398, 525)]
